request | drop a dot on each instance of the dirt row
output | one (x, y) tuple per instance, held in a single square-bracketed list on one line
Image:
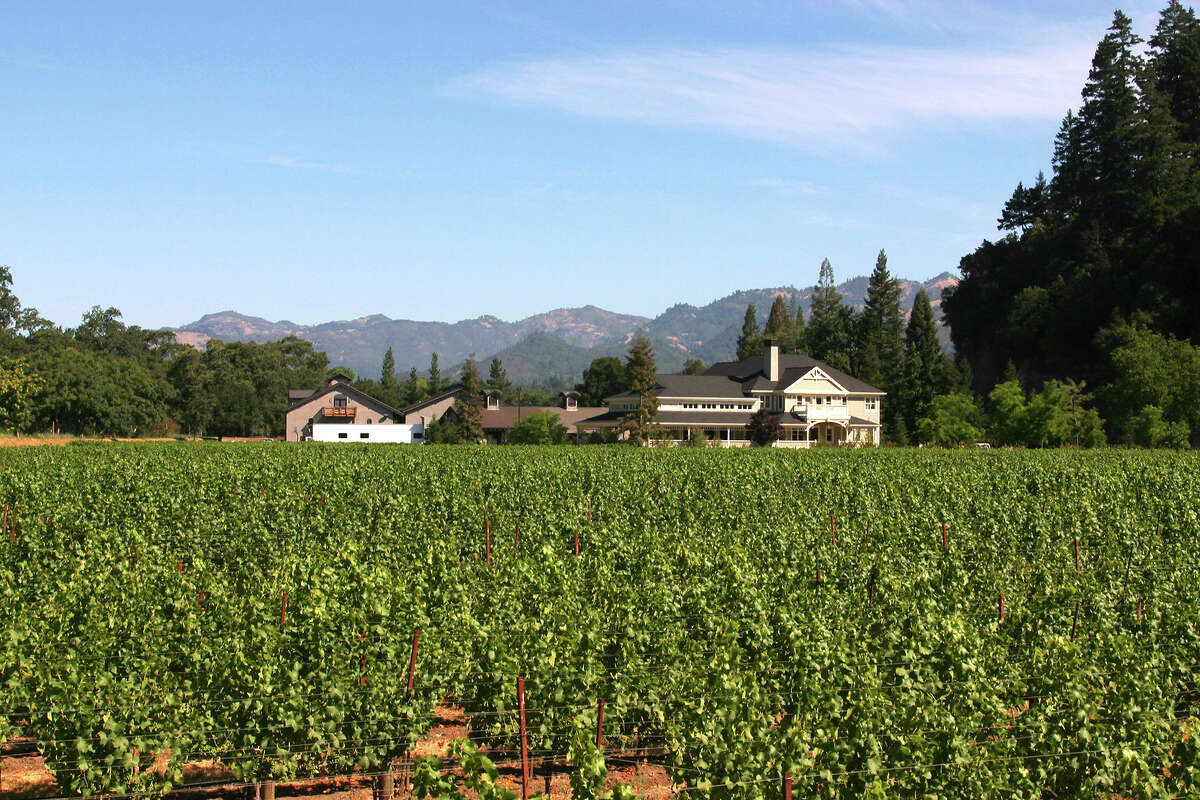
[(23, 773)]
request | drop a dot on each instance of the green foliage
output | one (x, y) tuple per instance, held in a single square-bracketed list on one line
[(694, 366), (1008, 422), (445, 431), (435, 375), (693, 608), (750, 341), (542, 427), (643, 378), (1150, 429), (603, 378), (480, 777), (923, 362), (1109, 235), (468, 404), (498, 379), (1151, 369), (828, 335), (953, 419), (18, 387)]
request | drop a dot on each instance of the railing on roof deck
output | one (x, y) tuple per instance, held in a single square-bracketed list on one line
[(339, 412)]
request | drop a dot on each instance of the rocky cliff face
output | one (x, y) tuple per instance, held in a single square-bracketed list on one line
[(683, 331)]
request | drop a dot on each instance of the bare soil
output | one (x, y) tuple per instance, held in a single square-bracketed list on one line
[(23, 772)]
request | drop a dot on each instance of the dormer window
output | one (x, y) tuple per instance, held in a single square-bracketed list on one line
[(493, 402), (339, 401), (572, 404)]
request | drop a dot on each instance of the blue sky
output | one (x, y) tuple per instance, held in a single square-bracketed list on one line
[(316, 161)]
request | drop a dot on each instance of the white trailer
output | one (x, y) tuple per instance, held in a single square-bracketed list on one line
[(342, 432)]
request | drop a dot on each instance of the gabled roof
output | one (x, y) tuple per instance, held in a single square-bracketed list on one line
[(452, 389), (790, 364), (340, 388)]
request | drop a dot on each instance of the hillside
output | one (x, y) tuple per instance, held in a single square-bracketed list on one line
[(558, 342)]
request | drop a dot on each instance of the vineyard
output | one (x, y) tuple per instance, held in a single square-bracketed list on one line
[(871, 623)]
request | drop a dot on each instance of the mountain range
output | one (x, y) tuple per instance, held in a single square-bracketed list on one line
[(555, 343)]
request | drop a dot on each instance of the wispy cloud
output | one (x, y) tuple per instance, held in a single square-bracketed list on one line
[(295, 162), (786, 186), (849, 100)]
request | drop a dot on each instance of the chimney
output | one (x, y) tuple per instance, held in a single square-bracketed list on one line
[(771, 359)]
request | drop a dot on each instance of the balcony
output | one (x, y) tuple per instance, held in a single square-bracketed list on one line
[(339, 413)]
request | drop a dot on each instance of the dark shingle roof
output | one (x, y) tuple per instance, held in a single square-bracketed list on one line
[(692, 386), (793, 366)]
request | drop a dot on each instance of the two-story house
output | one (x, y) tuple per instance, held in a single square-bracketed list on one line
[(812, 401), (337, 412)]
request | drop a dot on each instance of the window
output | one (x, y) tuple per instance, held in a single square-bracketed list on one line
[(819, 400), (843, 400), (870, 403), (364, 435), (343, 435), (369, 420), (829, 434), (339, 401)]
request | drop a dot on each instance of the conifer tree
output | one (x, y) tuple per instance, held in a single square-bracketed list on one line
[(498, 378), (828, 334), (643, 378), (468, 403), (413, 390), (779, 322), (389, 387), (435, 374), (883, 326), (922, 358), (750, 342), (797, 343), (1175, 55)]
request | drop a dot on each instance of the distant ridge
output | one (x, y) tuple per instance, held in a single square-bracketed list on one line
[(558, 342)]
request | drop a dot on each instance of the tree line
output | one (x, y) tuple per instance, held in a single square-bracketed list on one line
[(1094, 284)]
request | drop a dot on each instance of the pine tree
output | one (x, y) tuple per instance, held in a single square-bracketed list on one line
[(435, 375), (882, 327), (922, 357), (643, 378), (468, 403), (389, 388), (796, 311), (498, 378), (413, 390), (750, 342), (827, 335), (387, 372), (1109, 117), (779, 322), (1175, 54)]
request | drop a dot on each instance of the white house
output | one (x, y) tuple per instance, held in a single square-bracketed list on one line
[(813, 402)]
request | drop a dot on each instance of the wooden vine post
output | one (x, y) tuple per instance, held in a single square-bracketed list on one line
[(1075, 621), (787, 785), (945, 537), (1002, 606), (412, 661), (517, 542), (1077, 565), (524, 740)]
